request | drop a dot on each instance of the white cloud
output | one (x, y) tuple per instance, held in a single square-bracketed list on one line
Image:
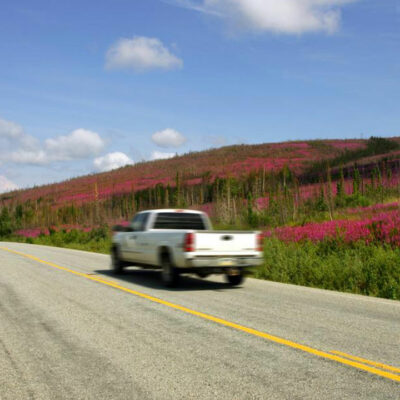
[(18, 147), (9, 129), (140, 54), (14, 134), (159, 155), (168, 138), (32, 157), (278, 16), (111, 161), (6, 185), (79, 144)]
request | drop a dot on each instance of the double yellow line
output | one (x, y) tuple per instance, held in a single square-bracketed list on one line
[(376, 368)]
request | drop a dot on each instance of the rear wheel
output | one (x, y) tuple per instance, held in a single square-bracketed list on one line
[(169, 273), (235, 280), (117, 264)]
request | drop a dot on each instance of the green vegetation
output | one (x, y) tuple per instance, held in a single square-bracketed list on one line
[(97, 240), (372, 269), (6, 223)]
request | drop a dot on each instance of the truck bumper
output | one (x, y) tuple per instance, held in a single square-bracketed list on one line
[(221, 263)]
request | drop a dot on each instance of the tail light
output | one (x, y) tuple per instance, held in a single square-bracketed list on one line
[(189, 242), (260, 242)]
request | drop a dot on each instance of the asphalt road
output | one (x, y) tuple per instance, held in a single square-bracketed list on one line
[(69, 329)]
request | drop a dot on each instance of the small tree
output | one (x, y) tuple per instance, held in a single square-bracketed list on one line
[(320, 204), (340, 191), (356, 181), (329, 192), (251, 215), (6, 225), (178, 190)]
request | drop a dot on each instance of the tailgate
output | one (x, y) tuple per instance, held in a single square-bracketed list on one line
[(225, 242)]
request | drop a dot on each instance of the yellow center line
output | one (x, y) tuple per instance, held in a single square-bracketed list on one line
[(365, 361), (254, 332)]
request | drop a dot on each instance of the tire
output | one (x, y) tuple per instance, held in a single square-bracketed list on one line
[(169, 273), (117, 264), (235, 280)]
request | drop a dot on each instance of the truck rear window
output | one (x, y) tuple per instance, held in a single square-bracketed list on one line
[(179, 221)]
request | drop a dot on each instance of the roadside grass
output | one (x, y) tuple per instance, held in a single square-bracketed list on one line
[(368, 269), (97, 240)]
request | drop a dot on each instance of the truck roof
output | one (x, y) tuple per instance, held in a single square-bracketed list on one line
[(177, 210)]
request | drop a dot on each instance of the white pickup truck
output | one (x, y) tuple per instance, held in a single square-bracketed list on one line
[(182, 241)]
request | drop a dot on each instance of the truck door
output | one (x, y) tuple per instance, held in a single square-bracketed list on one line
[(130, 248), (136, 243)]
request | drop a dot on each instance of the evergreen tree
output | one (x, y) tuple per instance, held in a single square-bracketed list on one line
[(329, 192), (178, 190), (6, 225), (356, 181), (340, 189)]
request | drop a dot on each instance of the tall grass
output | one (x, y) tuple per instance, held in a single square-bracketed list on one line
[(368, 269), (97, 240)]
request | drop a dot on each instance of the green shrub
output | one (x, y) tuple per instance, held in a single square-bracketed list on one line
[(6, 223)]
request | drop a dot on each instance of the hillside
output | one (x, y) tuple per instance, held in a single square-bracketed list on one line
[(265, 185), (226, 161)]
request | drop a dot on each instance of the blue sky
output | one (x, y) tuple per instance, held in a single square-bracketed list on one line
[(87, 86)]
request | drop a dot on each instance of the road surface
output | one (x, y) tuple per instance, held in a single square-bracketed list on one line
[(69, 329)]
